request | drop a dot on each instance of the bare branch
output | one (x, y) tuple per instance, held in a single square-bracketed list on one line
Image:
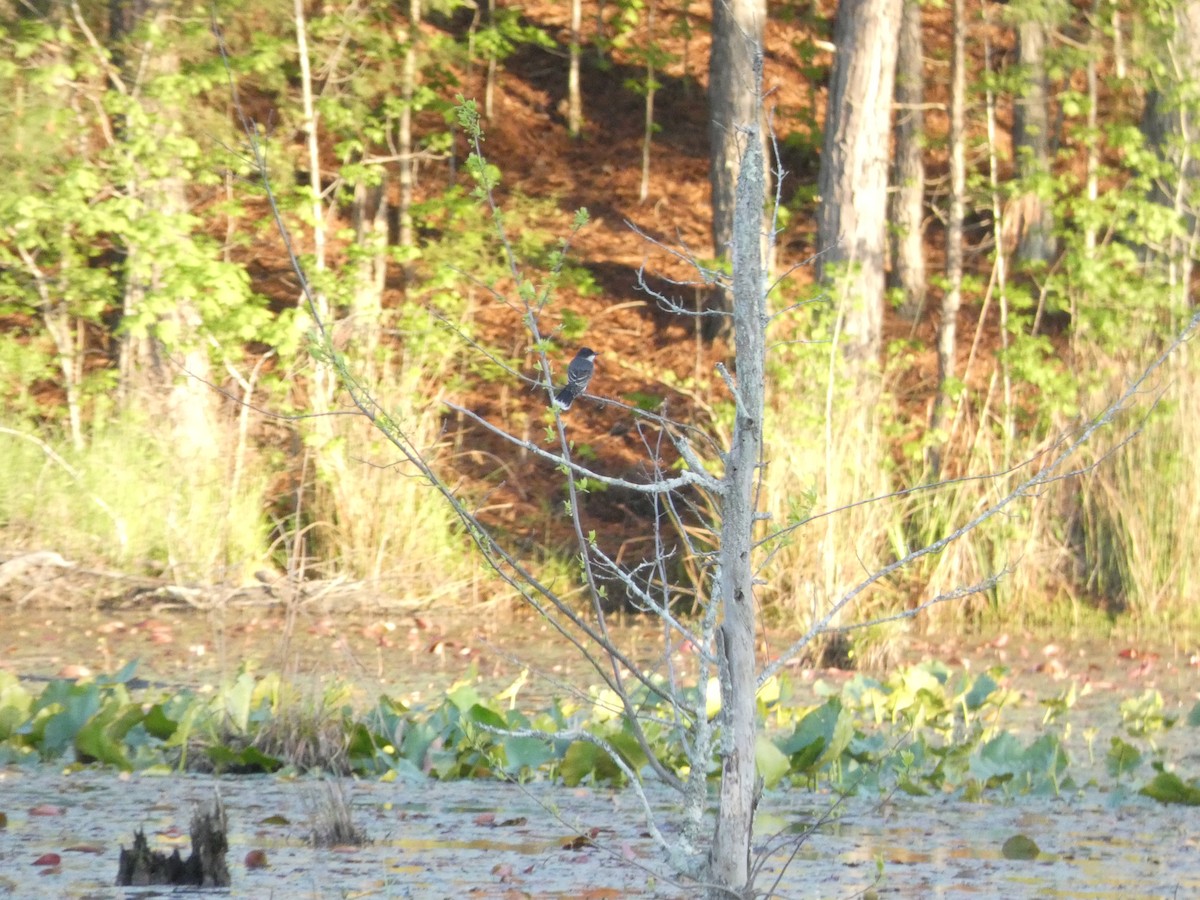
[(684, 479)]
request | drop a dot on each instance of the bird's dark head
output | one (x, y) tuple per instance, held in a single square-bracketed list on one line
[(586, 353)]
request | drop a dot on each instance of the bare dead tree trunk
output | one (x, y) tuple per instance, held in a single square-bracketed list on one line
[(740, 788), (908, 167), (853, 179), (947, 345)]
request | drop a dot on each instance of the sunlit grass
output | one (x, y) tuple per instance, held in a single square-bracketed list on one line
[(822, 455), (1121, 538), (375, 515), (127, 502), (1139, 513)]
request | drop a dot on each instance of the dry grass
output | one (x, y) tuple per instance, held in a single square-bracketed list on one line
[(333, 819)]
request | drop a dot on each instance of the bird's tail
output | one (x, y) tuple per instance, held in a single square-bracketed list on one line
[(565, 397)]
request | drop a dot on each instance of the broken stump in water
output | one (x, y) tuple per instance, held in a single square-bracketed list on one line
[(204, 868)]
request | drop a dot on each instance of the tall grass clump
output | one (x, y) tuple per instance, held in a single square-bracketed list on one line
[(126, 502), (824, 451), (1140, 512), (373, 516), (829, 451)]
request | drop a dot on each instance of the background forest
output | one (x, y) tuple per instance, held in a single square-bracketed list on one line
[(1028, 252)]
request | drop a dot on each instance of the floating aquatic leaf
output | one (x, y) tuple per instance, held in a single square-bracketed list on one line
[(1167, 787), (1020, 847)]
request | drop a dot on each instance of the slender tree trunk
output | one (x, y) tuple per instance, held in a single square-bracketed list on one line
[(322, 388), (908, 167), (648, 127), (489, 88), (408, 89), (952, 298), (1093, 147), (57, 319), (851, 231), (574, 100), (999, 230), (740, 788), (733, 104), (311, 142), (66, 331)]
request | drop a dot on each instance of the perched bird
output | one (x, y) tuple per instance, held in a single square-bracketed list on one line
[(579, 373)]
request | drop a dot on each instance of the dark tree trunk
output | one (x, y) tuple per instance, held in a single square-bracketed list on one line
[(1170, 123), (908, 167), (952, 297)]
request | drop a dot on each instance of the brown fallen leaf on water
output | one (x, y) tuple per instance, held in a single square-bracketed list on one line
[(256, 859), (47, 809), (48, 859), (324, 628), (1053, 668), (380, 633), (1144, 668)]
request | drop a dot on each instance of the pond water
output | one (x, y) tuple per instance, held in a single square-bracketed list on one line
[(497, 840)]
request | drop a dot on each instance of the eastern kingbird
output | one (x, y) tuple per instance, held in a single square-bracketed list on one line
[(579, 373)]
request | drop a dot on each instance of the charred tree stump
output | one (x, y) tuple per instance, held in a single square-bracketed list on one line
[(206, 866)]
